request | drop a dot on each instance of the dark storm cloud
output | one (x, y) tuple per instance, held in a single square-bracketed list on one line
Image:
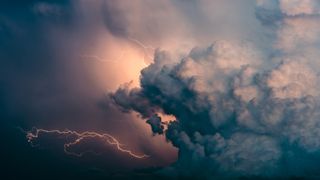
[(27, 73), (156, 124), (26, 57), (237, 112), (246, 105), (115, 19)]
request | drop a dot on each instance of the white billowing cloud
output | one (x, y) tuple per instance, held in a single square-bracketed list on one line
[(300, 7), (291, 7), (249, 112), (242, 84), (293, 80), (209, 67), (246, 93), (240, 109), (298, 33)]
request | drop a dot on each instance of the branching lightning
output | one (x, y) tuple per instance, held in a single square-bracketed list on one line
[(79, 137), (143, 46), (35, 132)]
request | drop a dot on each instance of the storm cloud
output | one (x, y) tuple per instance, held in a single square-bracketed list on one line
[(232, 85), (240, 110)]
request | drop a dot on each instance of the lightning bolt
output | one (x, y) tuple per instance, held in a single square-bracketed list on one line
[(34, 134), (100, 59), (143, 46)]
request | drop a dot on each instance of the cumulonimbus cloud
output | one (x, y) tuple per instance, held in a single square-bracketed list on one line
[(237, 112)]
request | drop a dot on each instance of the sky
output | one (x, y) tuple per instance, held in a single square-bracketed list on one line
[(113, 89)]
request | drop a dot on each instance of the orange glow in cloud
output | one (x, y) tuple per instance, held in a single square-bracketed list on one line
[(118, 62), (166, 118)]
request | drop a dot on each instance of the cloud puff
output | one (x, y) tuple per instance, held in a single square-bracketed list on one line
[(291, 7), (293, 80), (156, 124), (300, 7)]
